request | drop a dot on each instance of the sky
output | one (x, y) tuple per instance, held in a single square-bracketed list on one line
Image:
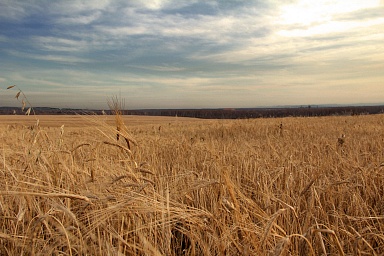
[(192, 54)]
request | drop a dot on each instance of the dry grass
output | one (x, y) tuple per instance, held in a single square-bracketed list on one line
[(242, 187)]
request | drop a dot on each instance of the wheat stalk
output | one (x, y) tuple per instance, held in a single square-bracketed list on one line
[(117, 105), (24, 100)]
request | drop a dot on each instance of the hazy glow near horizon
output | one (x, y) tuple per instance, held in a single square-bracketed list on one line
[(192, 54)]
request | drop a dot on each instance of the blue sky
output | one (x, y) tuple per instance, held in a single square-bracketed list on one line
[(192, 54)]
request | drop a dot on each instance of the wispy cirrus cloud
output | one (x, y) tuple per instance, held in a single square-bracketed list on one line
[(50, 43), (54, 58), (80, 19)]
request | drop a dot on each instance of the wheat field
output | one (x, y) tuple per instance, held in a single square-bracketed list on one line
[(290, 186)]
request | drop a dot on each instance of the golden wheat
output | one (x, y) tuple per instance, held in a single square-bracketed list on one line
[(242, 190)]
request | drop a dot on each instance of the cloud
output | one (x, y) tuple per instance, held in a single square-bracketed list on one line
[(51, 58), (50, 43), (161, 5), (332, 27), (320, 11), (326, 17), (162, 68), (14, 10), (78, 7), (362, 14), (80, 19), (168, 53), (122, 31)]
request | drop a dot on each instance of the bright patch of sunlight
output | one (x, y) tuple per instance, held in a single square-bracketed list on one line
[(307, 17), (307, 12)]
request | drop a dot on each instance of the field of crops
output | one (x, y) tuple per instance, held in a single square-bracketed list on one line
[(289, 186)]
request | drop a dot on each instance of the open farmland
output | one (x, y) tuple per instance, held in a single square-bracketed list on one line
[(289, 186), (84, 121)]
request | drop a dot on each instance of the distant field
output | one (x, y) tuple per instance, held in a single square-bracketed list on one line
[(85, 120), (182, 186)]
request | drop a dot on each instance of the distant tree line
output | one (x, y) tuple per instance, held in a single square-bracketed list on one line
[(260, 112), (233, 113)]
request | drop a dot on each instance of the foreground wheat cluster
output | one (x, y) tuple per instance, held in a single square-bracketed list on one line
[(291, 186)]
